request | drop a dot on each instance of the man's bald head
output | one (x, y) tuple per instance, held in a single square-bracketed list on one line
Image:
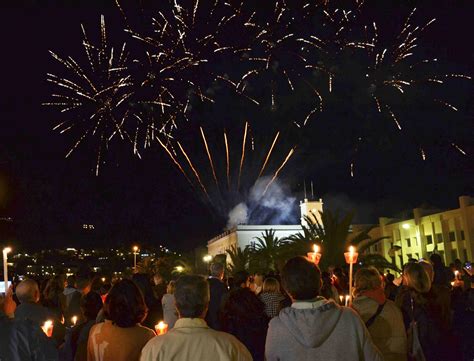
[(28, 291)]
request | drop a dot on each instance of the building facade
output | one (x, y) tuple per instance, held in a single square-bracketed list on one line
[(245, 235), (449, 233)]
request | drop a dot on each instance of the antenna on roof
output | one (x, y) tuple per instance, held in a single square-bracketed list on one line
[(312, 190), (304, 185)]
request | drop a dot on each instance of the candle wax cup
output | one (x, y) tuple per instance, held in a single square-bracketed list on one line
[(48, 328), (161, 328), (351, 257)]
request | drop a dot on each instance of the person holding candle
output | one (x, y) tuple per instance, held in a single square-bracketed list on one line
[(314, 328), (28, 294), (382, 317), (191, 338), (120, 337), (75, 347), (22, 339)]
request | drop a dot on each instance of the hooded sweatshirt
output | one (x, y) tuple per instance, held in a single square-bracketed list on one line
[(319, 330)]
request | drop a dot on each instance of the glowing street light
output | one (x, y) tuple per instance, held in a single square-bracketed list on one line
[(6, 250), (406, 226), (135, 252), (179, 269), (207, 258)]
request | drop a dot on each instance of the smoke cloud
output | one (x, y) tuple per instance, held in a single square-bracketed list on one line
[(238, 215), (277, 206)]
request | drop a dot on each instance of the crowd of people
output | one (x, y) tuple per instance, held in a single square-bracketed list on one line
[(299, 314)]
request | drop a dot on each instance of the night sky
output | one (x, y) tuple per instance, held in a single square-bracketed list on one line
[(148, 201)]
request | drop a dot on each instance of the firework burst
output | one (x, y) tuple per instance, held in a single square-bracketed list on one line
[(94, 99)]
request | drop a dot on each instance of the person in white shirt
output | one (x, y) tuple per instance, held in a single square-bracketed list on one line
[(191, 338)]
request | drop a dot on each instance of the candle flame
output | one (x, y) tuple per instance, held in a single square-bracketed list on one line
[(161, 325), (351, 249), (316, 248)]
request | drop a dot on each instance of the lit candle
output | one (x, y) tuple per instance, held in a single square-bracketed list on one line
[(6, 250), (48, 328), (161, 328), (315, 256), (347, 300), (351, 258), (74, 320), (341, 298), (456, 274), (452, 284)]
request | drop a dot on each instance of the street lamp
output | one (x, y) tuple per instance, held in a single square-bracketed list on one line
[(135, 252), (207, 258), (6, 250), (179, 269), (406, 226)]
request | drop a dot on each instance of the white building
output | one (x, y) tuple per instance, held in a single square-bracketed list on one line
[(449, 233), (245, 235)]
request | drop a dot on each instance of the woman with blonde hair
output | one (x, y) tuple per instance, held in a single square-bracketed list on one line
[(170, 315), (419, 316), (271, 296), (381, 316)]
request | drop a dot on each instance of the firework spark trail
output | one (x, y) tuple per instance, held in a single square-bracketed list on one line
[(394, 117), (194, 171), (423, 154), (211, 162), (227, 158), (275, 176), (446, 104), (460, 150), (244, 141), (172, 157), (268, 155)]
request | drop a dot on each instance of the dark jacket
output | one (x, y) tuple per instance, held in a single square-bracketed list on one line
[(23, 340), (33, 312), (249, 324), (217, 290), (39, 314), (434, 335)]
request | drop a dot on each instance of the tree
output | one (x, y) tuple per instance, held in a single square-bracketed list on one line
[(331, 234), (239, 258), (268, 250)]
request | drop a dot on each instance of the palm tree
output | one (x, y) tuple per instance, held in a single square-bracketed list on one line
[(331, 234), (239, 259), (268, 250), (363, 242)]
